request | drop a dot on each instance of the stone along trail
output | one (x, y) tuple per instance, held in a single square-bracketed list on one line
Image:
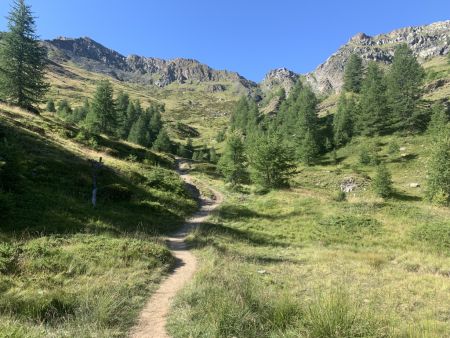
[(152, 321)]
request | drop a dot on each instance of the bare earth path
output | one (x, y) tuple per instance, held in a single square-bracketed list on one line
[(153, 318)]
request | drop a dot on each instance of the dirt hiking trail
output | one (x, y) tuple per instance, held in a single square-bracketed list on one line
[(153, 318)]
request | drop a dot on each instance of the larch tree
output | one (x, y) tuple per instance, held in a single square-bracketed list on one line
[(22, 60), (353, 74)]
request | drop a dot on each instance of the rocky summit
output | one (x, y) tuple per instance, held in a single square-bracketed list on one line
[(425, 41), (95, 57)]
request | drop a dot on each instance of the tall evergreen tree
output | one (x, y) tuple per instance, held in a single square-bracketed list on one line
[(232, 164), (102, 117), (51, 108), (155, 123), (270, 161), (122, 103), (22, 60), (353, 75), (343, 120), (405, 80), (373, 118), (382, 182), (140, 131), (162, 142)]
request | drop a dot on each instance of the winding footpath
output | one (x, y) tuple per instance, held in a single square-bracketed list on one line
[(153, 319)]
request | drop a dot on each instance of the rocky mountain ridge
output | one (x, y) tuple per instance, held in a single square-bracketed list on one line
[(426, 42), (93, 56)]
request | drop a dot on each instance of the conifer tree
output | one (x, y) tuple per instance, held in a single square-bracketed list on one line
[(438, 178), (189, 148), (64, 109), (343, 120), (405, 80), (232, 164), (122, 103), (382, 183), (102, 117), (353, 74), (22, 60), (51, 106), (140, 132), (270, 161), (373, 118), (162, 142), (155, 124)]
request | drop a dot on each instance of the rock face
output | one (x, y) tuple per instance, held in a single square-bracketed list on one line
[(93, 56), (425, 41), (279, 78)]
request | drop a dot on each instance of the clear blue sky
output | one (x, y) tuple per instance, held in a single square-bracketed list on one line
[(247, 36)]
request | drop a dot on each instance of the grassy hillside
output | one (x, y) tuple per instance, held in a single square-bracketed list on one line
[(193, 104), (298, 263), (66, 268)]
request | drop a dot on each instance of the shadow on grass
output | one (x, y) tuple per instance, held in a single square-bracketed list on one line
[(407, 198), (207, 231), (239, 212), (405, 158)]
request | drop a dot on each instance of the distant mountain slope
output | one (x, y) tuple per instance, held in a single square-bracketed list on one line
[(91, 55), (426, 42)]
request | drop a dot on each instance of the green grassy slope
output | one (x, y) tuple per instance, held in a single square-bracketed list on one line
[(67, 269), (297, 263), (191, 104)]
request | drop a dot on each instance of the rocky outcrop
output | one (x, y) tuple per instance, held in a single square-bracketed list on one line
[(425, 41), (279, 78), (93, 56)]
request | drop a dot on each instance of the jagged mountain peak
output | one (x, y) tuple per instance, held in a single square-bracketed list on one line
[(279, 78), (425, 41)]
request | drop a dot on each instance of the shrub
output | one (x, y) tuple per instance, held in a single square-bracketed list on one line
[(9, 255), (340, 196)]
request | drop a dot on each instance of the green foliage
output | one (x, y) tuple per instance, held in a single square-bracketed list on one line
[(51, 106), (122, 104), (11, 166), (335, 315), (343, 120), (353, 74), (245, 117), (340, 196), (140, 131), (373, 118), (79, 114), (22, 60), (382, 182), (405, 80), (271, 162), (213, 158), (439, 121), (438, 178), (297, 121), (64, 110), (232, 164), (162, 142), (393, 148), (102, 116), (368, 155), (435, 234), (115, 193)]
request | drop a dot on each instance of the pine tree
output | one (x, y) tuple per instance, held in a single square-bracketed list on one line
[(438, 178), (405, 80), (343, 120), (189, 148), (140, 133), (353, 75), (51, 106), (102, 117), (22, 60), (245, 117), (270, 161), (373, 118), (382, 183), (232, 164), (162, 142), (122, 103), (156, 123), (64, 110)]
